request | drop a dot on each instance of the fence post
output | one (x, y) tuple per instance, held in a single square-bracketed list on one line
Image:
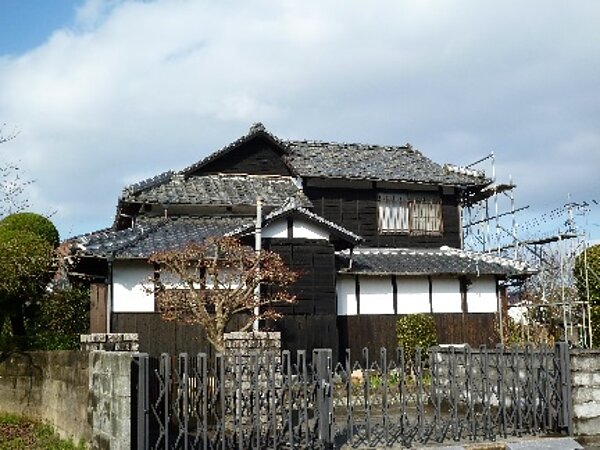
[(566, 417), (322, 359), (142, 401)]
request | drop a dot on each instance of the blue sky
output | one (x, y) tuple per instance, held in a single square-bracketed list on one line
[(105, 93), (25, 24)]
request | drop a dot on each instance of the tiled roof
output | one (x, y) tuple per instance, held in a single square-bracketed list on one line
[(442, 261), (155, 234), (292, 206), (357, 161), (174, 188), (374, 162)]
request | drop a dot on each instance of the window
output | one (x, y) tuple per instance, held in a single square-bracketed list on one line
[(408, 214)]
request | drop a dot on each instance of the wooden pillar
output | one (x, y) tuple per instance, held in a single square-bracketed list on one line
[(98, 303)]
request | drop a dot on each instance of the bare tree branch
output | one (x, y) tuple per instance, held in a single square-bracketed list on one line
[(209, 283)]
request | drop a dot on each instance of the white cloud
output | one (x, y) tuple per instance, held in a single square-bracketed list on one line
[(137, 87)]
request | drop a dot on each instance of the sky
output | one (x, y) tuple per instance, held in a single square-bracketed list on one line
[(104, 93)]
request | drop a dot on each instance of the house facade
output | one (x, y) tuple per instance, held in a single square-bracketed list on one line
[(374, 230)]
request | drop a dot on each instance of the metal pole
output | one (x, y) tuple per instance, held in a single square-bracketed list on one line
[(562, 287), (257, 248), (587, 296)]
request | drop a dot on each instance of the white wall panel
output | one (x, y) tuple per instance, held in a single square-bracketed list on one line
[(307, 230), (346, 296), (130, 278), (446, 295), (276, 229), (413, 295), (376, 295), (481, 295), (301, 229)]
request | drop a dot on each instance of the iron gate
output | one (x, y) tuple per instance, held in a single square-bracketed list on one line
[(269, 400)]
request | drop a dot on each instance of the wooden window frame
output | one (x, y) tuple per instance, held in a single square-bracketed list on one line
[(413, 215)]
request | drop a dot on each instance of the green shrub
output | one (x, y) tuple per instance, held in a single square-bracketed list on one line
[(32, 223), (416, 330), (17, 433), (63, 316)]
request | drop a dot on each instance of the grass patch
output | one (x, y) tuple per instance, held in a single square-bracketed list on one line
[(21, 433)]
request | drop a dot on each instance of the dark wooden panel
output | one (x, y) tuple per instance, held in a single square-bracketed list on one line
[(372, 332), (157, 336), (315, 288), (356, 209), (474, 329), (376, 331), (307, 332), (257, 157), (98, 302)]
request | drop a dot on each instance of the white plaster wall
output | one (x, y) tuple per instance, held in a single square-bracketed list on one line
[(130, 278), (307, 230), (446, 295), (413, 295), (376, 295), (227, 276), (481, 295), (346, 296), (302, 229), (277, 229)]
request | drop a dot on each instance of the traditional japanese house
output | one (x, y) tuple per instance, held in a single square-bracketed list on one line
[(375, 231)]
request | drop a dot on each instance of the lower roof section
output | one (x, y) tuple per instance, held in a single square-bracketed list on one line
[(420, 261), (153, 234)]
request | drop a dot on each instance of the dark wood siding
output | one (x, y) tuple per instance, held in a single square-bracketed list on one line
[(157, 336), (315, 288), (98, 303), (376, 331), (256, 157), (306, 332), (356, 209)]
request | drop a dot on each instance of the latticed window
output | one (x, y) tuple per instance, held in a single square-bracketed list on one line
[(401, 213)]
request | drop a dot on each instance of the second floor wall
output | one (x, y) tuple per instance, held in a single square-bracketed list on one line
[(390, 216)]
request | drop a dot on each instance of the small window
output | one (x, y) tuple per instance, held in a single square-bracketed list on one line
[(404, 214), (394, 215)]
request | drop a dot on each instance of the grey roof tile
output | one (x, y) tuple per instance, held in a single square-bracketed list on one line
[(155, 234), (356, 161), (374, 162), (442, 261), (216, 190)]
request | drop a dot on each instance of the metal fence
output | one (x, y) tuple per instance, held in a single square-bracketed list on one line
[(268, 400)]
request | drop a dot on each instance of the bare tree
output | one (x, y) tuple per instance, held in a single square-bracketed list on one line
[(12, 184), (208, 283)]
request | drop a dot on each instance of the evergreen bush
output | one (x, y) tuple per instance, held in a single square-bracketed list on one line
[(416, 330)]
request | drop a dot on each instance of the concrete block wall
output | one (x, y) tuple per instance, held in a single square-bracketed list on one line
[(585, 391), (50, 386), (119, 342), (110, 400)]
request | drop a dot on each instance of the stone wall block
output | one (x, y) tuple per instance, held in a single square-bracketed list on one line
[(586, 394)]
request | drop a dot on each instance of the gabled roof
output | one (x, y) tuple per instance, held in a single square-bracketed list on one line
[(413, 261), (152, 234), (293, 208), (256, 130), (174, 188), (374, 162)]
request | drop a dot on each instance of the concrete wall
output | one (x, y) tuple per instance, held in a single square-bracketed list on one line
[(585, 389), (110, 400), (51, 386), (85, 396)]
